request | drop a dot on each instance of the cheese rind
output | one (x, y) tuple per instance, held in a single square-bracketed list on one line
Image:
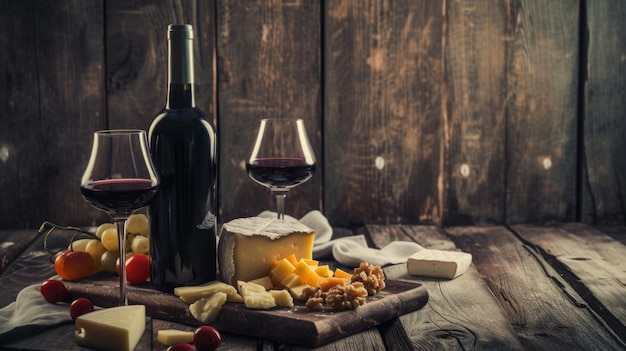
[(115, 328), (249, 246), (438, 263)]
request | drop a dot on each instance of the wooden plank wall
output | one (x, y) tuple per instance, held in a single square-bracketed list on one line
[(449, 112)]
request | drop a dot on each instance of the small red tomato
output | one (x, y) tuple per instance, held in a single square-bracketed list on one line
[(80, 306), (72, 265), (181, 346), (137, 268), (53, 290), (207, 338)]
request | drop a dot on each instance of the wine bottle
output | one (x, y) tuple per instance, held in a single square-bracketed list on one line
[(183, 146)]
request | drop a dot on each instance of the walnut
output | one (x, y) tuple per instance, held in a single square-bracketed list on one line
[(314, 298), (371, 276), (347, 297)]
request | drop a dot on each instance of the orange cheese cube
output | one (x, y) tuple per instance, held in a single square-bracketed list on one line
[(324, 271), (340, 273), (292, 258), (325, 283), (308, 275), (282, 270), (311, 262)]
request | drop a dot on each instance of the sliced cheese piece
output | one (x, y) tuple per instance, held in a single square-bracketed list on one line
[(170, 337), (265, 282), (259, 301), (206, 309), (297, 292), (191, 294), (115, 328), (438, 263), (255, 296), (282, 298), (249, 246)]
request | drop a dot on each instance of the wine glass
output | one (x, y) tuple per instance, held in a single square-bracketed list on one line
[(281, 157), (119, 179)]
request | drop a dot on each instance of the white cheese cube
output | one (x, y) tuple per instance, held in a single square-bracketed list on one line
[(438, 263), (170, 337)]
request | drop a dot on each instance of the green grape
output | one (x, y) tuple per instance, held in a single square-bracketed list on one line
[(109, 239), (138, 224), (96, 249), (78, 245), (129, 241), (108, 260), (102, 228), (140, 244)]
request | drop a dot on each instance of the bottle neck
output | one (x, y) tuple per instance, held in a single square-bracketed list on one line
[(180, 74)]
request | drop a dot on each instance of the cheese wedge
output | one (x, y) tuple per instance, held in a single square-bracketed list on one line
[(438, 263), (249, 246), (115, 328)]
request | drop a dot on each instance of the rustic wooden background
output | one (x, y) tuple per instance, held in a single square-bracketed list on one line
[(447, 112)]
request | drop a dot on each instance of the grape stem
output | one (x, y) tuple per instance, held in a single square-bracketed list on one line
[(49, 227)]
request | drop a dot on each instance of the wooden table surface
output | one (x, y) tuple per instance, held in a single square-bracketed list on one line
[(530, 287)]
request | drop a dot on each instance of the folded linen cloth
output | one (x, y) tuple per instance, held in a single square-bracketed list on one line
[(352, 250), (30, 312)]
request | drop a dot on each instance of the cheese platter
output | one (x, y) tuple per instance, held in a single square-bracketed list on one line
[(295, 325)]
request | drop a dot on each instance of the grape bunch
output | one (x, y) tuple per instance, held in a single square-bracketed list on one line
[(104, 248)]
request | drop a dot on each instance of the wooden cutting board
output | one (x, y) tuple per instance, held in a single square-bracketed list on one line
[(295, 325)]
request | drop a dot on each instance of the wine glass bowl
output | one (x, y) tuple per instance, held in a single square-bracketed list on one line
[(118, 180), (281, 158)]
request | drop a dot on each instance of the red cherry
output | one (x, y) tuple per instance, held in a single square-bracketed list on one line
[(80, 306), (207, 338), (53, 290)]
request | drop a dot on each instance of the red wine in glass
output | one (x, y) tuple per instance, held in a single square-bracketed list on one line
[(119, 179), (280, 172), (281, 157), (123, 195)]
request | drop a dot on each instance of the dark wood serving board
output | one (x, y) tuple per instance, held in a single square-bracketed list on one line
[(296, 325)]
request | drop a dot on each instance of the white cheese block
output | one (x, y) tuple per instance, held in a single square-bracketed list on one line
[(115, 328), (438, 263), (249, 246)]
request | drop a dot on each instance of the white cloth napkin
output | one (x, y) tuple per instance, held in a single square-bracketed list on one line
[(350, 251), (29, 312)]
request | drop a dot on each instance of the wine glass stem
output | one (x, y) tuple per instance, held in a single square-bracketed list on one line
[(280, 204), (120, 223)]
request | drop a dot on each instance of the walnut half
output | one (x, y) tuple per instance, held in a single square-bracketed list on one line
[(371, 276), (347, 297)]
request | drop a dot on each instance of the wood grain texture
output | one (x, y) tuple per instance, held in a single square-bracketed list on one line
[(461, 313), (542, 111), (136, 45), (586, 258), (382, 125), (12, 244), (268, 66), (526, 288), (476, 40), (52, 96), (604, 172)]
